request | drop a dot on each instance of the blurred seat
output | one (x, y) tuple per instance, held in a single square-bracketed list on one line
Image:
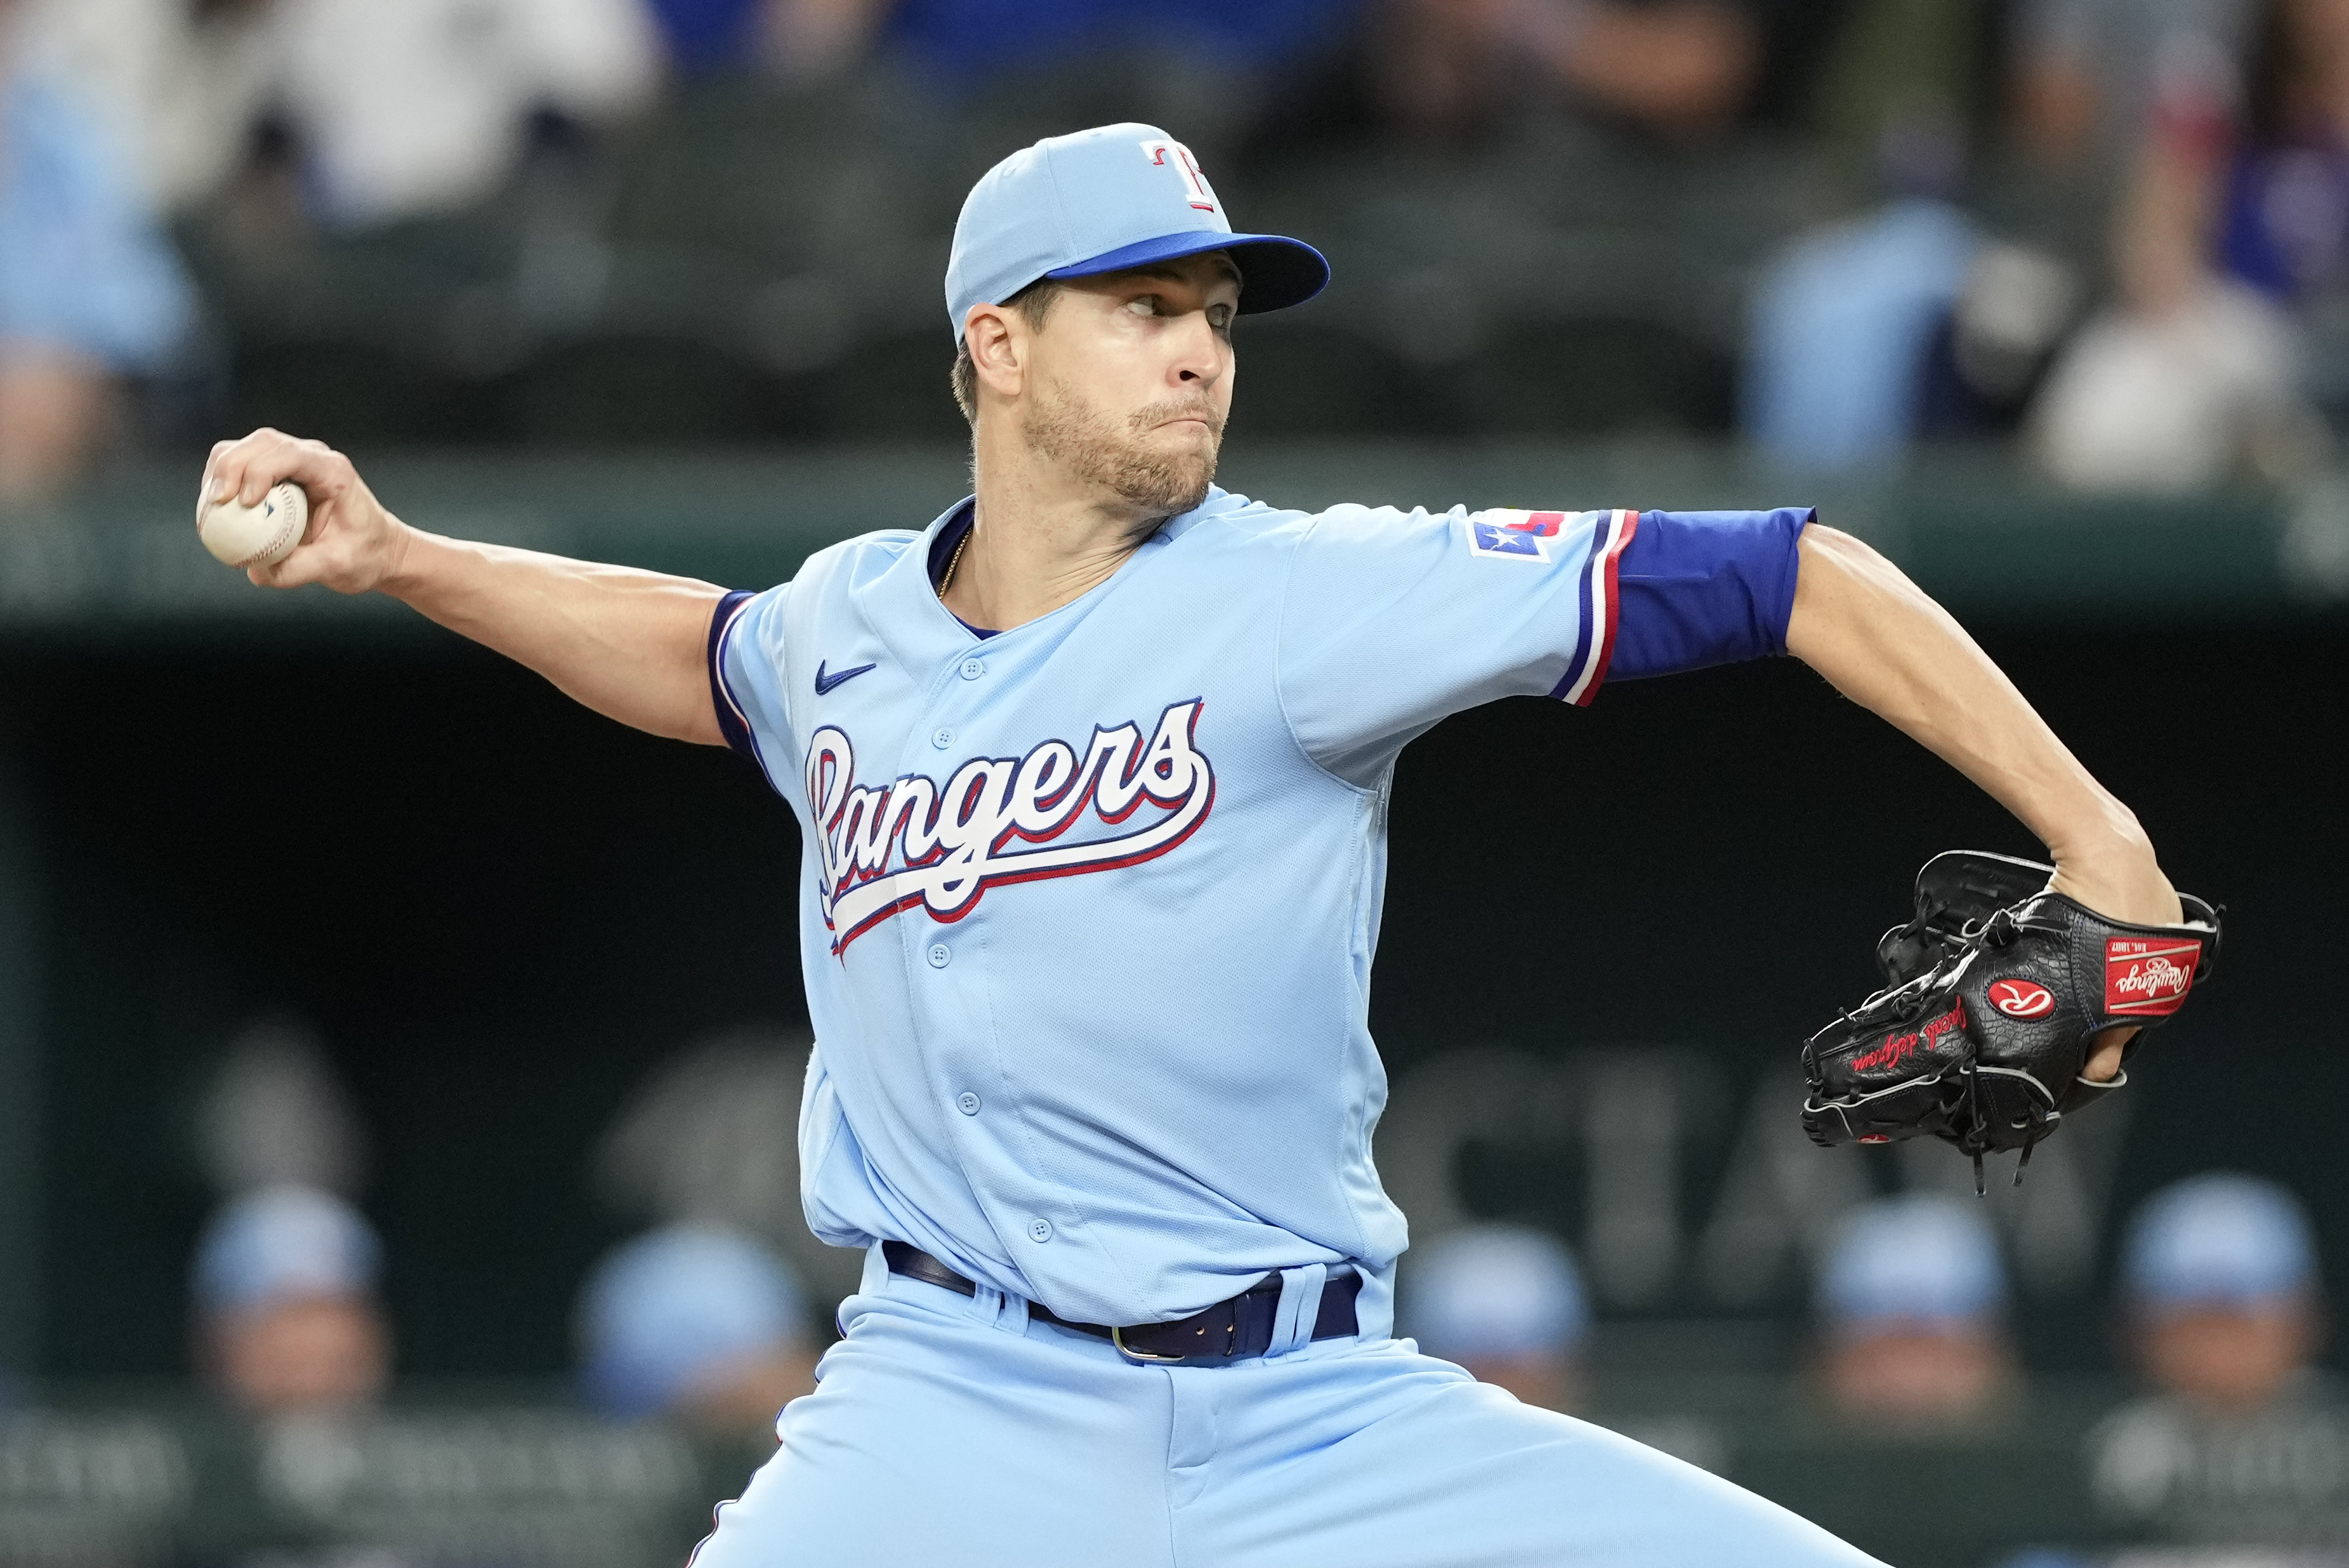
[(1600, 375), (359, 394), (893, 387), (369, 338), (656, 389), (1301, 377), (759, 260), (783, 179)]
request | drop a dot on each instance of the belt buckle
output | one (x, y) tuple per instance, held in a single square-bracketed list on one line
[(1227, 1312), (1142, 1357)]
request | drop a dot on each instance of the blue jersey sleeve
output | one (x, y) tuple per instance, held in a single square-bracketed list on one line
[(746, 674), (1391, 621), (1698, 589)]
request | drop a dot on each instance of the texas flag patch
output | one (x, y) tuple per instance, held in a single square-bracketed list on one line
[(1508, 535)]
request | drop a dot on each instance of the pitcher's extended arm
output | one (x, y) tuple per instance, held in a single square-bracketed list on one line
[(627, 643), (1881, 642)]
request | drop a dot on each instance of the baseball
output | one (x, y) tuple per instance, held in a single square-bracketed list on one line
[(259, 536)]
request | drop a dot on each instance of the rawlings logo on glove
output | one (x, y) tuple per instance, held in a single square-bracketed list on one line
[(2149, 977), (1994, 993)]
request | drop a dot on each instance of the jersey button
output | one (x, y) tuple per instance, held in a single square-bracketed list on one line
[(1040, 1230), (941, 955), (972, 668), (967, 1103), (942, 737)]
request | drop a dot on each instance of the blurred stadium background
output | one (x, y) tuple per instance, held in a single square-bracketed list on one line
[(397, 1065)]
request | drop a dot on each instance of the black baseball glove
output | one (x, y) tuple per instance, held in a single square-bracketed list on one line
[(1992, 994)]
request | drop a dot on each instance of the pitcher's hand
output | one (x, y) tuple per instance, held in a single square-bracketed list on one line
[(352, 544), (2121, 881)]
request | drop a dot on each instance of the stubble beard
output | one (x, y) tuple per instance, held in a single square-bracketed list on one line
[(1101, 448)]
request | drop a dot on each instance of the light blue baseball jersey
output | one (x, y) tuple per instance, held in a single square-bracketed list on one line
[(1088, 907)]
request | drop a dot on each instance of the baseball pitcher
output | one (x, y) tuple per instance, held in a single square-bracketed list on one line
[(1092, 777)]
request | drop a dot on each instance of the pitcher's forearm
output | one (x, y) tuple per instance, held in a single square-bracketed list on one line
[(630, 644), (1883, 643)]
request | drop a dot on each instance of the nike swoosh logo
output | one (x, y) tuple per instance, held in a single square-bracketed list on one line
[(824, 683)]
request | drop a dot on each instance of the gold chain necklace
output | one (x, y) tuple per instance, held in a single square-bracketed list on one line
[(955, 560)]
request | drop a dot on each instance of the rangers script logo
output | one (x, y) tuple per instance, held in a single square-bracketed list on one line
[(887, 848)]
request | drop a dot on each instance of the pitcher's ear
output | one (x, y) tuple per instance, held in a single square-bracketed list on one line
[(998, 344)]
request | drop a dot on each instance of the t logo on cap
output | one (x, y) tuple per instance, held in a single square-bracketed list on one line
[(1203, 196), (1100, 200)]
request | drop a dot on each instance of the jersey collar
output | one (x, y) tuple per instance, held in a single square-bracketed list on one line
[(900, 602), (957, 520), (949, 528)]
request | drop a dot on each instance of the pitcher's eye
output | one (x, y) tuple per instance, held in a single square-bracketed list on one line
[(1143, 304)]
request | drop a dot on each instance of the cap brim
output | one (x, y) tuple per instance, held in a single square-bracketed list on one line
[(1275, 272)]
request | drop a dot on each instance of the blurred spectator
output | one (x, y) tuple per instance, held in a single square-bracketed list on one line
[(182, 83), (2221, 1281), (2177, 400), (1906, 323), (1679, 69), (1682, 67), (409, 107), (2231, 244), (1505, 1303), (276, 1114), (810, 38), (711, 35), (969, 39), (2243, 1444), (286, 1316), (1899, 68), (1914, 319), (404, 107), (2089, 73), (800, 38), (89, 292), (697, 1322), (711, 1138), (1911, 1302), (1844, 326)]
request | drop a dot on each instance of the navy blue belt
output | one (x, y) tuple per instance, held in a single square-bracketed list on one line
[(1231, 1330)]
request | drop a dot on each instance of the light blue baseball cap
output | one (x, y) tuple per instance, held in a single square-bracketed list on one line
[(2217, 1240), (1103, 200), (1492, 1292), (661, 1311), (284, 1243), (1922, 1259)]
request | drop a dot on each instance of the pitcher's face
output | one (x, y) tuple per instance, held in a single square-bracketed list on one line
[(1132, 380)]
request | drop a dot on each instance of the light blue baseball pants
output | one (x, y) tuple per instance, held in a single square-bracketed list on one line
[(949, 1433)]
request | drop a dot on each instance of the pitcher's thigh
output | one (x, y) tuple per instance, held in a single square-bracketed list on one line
[(885, 1465), (1463, 1476)]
